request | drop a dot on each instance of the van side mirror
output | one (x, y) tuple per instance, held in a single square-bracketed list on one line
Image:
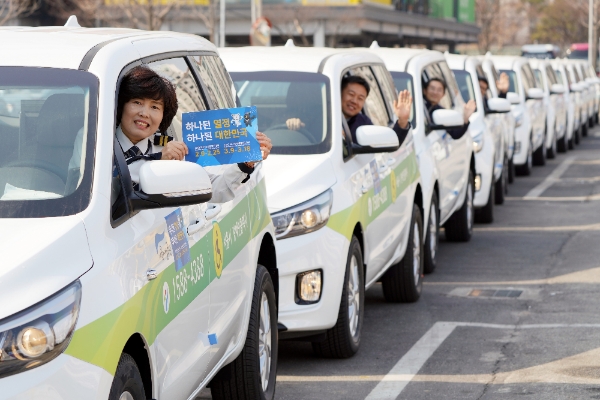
[(557, 88), (513, 98), (535, 94), (375, 139), (171, 183), (576, 87), (446, 119), (496, 105)]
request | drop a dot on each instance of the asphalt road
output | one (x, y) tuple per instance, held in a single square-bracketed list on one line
[(512, 314)]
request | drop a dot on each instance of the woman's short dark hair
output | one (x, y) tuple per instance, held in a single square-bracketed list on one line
[(356, 79), (436, 80), (143, 83)]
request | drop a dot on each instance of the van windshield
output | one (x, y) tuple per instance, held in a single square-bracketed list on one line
[(282, 96), (47, 131)]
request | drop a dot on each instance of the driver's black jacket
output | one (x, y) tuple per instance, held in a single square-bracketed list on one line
[(455, 133)]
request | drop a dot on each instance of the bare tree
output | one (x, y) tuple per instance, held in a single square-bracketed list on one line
[(142, 14), (208, 16), (11, 9), (487, 12), (88, 12)]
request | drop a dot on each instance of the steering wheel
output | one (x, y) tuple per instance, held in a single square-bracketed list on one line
[(305, 132), (39, 164)]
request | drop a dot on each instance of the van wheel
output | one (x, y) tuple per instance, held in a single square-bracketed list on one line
[(485, 214), (459, 226), (525, 169), (252, 374), (539, 155), (578, 134), (562, 144), (403, 282), (343, 340), (551, 153), (432, 237), (584, 129), (501, 188), (511, 170), (127, 383), (591, 122)]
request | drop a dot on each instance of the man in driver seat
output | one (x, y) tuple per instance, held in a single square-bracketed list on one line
[(355, 90)]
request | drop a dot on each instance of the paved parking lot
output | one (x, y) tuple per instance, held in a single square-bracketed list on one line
[(512, 313)]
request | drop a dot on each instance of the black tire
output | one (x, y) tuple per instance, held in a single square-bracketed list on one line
[(403, 282), (501, 188), (596, 117), (432, 237), (584, 130), (127, 379), (242, 379), (485, 214), (551, 152), (511, 170), (539, 155), (562, 144), (578, 134), (591, 122), (340, 341), (525, 169), (459, 226)]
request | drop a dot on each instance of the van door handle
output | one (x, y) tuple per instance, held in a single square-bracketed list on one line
[(212, 211), (196, 227)]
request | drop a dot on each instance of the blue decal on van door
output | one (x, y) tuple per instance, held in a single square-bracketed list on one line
[(179, 239)]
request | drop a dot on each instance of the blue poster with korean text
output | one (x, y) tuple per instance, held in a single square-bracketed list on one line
[(226, 136), (179, 239)]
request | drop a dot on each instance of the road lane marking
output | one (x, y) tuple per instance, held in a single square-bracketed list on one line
[(578, 180), (550, 179), (409, 365), (591, 197), (581, 368), (587, 162), (567, 228), (588, 276)]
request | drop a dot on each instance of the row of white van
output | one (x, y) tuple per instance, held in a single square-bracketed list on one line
[(111, 292)]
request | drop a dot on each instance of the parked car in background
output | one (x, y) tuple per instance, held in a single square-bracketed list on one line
[(491, 159), (582, 69), (573, 101), (116, 292), (528, 110), (554, 104), (540, 51), (447, 166), (509, 123), (347, 213)]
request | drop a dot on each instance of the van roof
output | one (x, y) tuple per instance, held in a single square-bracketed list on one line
[(65, 47)]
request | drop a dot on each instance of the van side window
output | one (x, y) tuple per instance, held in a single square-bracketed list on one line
[(189, 96), (435, 71), (374, 105), (386, 83), (215, 77), (551, 75), (404, 81)]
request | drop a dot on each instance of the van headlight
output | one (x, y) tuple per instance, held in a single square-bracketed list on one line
[(478, 142), (303, 218), (40, 333)]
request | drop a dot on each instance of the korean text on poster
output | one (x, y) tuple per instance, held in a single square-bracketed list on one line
[(217, 137), (179, 239)]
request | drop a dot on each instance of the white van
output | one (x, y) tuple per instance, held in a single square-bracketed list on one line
[(447, 166), (573, 100), (509, 123), (554, 103), (528, 110), (584, 96), (347, 214), (488, 131), (107, 291)]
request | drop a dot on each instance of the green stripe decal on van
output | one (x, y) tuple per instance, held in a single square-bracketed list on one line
[(101, 341), (404, 175)]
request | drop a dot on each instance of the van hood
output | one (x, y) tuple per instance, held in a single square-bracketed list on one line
[(39, 256), (294, 179)]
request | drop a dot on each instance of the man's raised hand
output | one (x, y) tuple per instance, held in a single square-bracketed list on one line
[(403, 107), (503, 83)]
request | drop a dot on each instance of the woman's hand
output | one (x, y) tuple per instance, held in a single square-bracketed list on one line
[(469, 109), (503, 84), (265, 147), (174, 151), (403, 107)]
